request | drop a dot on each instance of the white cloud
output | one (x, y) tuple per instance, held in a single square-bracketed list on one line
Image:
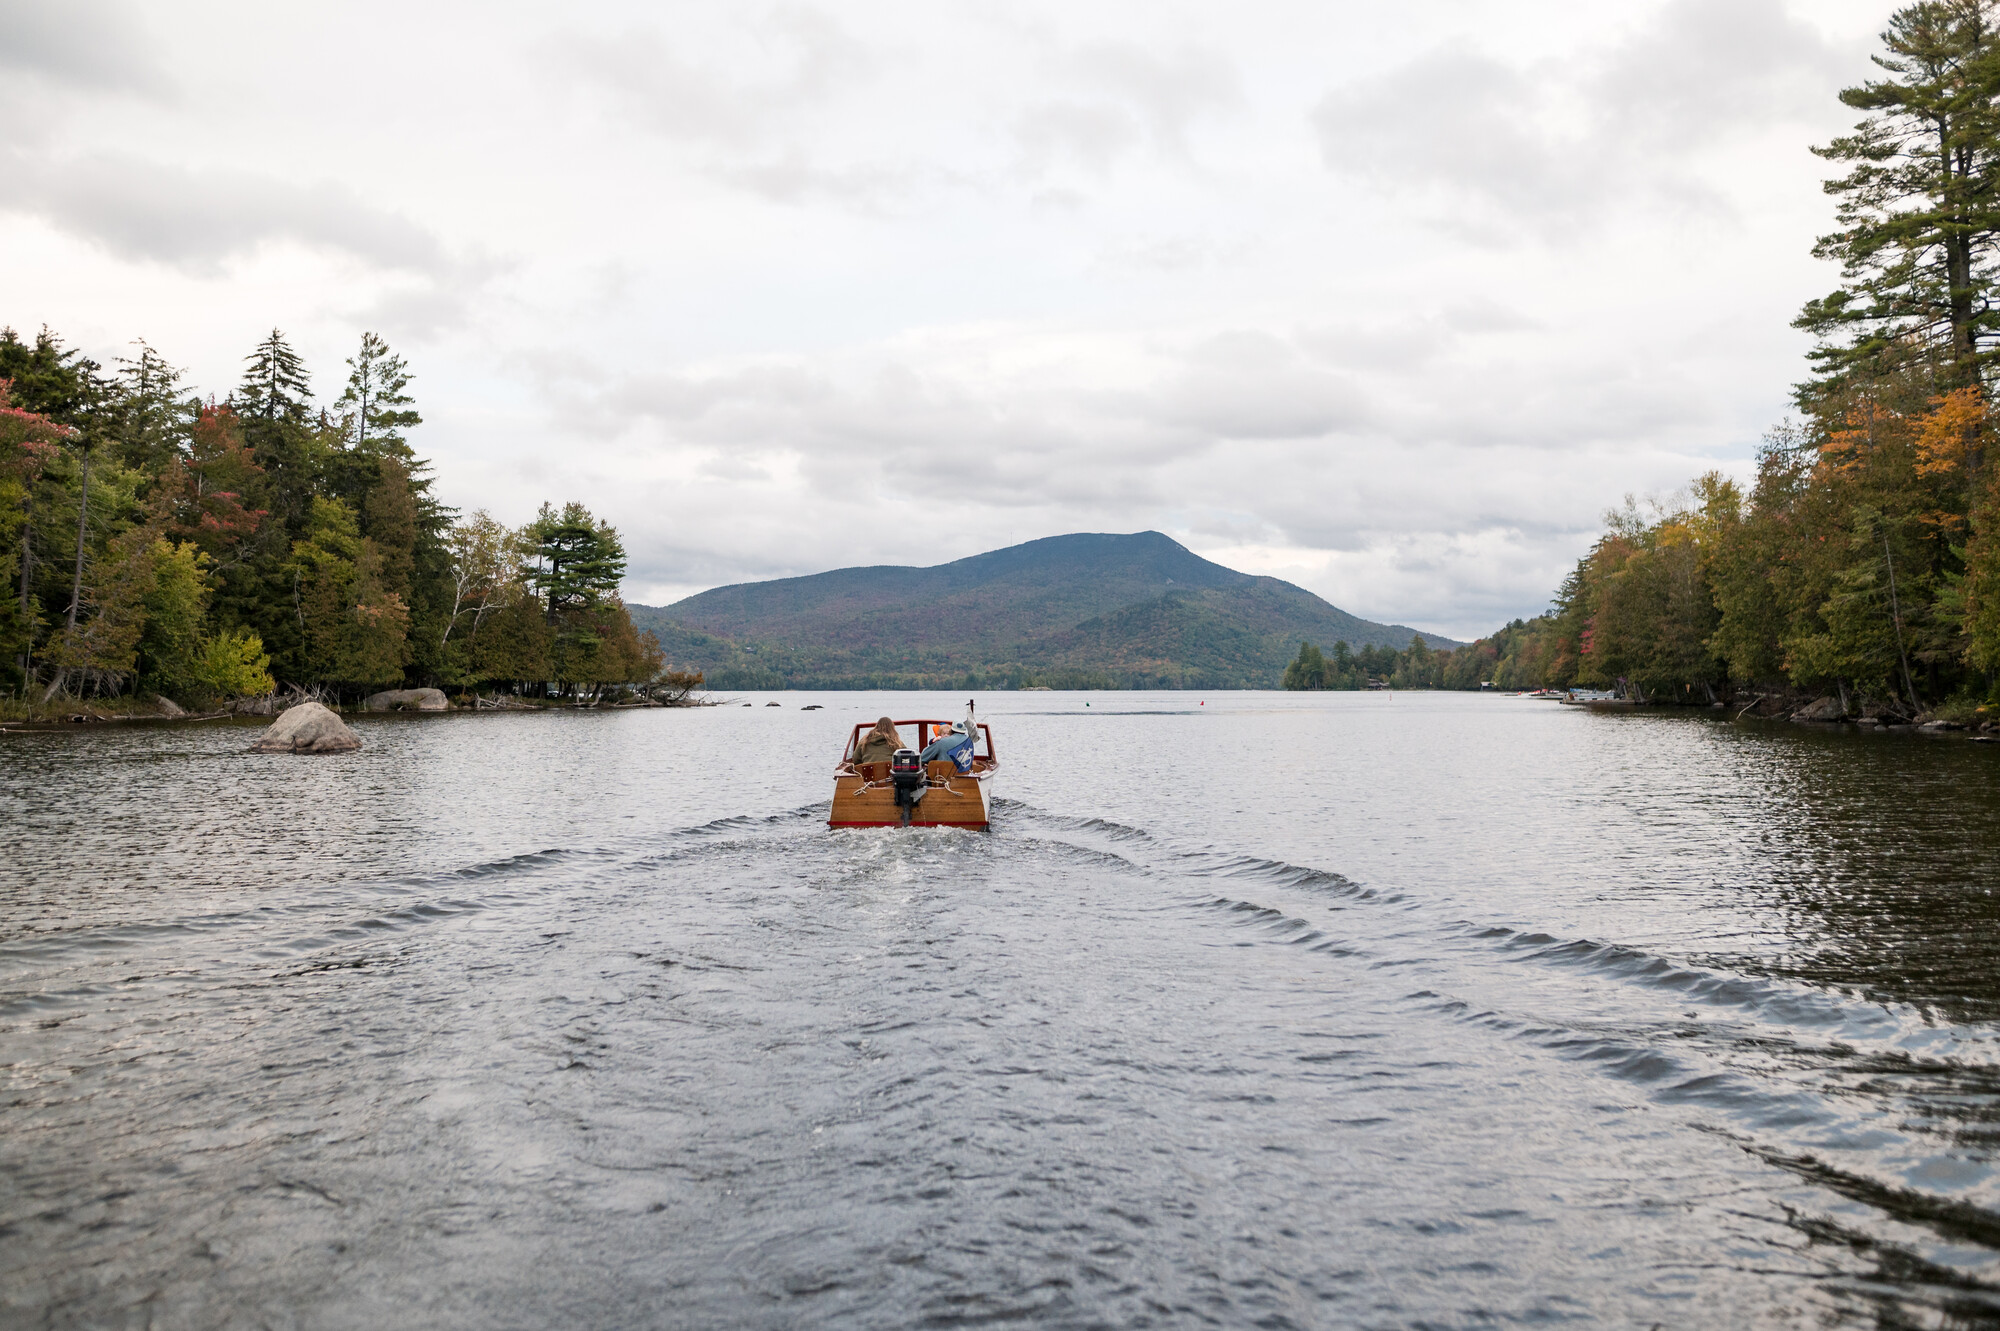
[(1398, 298), (1488, 144), (148, 210)]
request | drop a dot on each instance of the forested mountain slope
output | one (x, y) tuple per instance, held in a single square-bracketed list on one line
[(1083, 610)]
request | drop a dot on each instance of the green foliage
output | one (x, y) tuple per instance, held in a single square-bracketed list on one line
[(1919, 209), (234, 665), (228, 547), (1137, 611), (178, 656), (375, 406), (276, 386), (1980, 592)]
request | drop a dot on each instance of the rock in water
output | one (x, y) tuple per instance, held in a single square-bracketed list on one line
[(408, 700), (168, 707), (307, 728), (1826, 709)]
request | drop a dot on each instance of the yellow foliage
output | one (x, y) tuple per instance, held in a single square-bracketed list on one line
[(1951, 430)]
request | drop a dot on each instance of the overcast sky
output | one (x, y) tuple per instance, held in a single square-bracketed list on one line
[(1389, 300)]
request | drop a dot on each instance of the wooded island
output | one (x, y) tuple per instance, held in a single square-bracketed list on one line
[(156, 542)]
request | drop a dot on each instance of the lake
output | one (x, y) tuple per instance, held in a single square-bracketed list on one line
[(1252, 1009)]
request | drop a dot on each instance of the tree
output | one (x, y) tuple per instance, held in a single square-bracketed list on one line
[(208, 496), (579, 561), (389, 517), (149, 423), (99, 650), (1981, 614), (485, 560), (29, 442), (354, 629), (375, 408), (1919, 210), (276, 386), (516, 644), (274, 404), (1307, 670), (49, 379), (177, 652)]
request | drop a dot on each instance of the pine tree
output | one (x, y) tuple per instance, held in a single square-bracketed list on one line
[(579, 560), (389, 517), (374, 405), (49, 379), (277, 386), (274, 403), (1920, 209), (146, 420), (29, 443)]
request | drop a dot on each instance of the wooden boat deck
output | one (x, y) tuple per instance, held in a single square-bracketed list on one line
[(864, 796)]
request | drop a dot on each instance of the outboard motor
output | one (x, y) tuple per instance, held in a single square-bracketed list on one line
[(906, 771)]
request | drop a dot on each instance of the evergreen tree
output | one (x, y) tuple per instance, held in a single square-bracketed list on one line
[(276, 386), (375, 408), (49, 379), (147, 421), (579, 560), (29, 443), (274, 403), (389, 517), (1920, 209)]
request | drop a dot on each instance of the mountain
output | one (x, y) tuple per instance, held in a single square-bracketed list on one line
[(1085, 610)]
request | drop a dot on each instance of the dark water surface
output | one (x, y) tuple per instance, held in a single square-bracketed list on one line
[(1411, 1010)]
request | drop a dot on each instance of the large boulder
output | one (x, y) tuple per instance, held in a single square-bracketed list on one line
[(408, 700), (307, 728), (1826, 709)]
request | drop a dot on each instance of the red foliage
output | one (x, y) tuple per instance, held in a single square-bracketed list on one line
[(201, 497), (27, 441)]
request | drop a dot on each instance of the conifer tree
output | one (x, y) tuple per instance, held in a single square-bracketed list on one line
[(1919, 209), (276, 386), (375, 407), (147, 419), (274, 403), (389, 518)]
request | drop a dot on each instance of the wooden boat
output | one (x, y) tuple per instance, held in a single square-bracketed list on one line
[(908, 794)]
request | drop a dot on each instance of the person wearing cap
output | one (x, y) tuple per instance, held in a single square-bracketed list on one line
[(947, 745)]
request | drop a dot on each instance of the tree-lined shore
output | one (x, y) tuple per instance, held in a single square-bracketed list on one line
[(1863, 562), (158, 542)]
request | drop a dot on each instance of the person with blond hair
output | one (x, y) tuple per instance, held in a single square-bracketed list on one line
[(878, 745)]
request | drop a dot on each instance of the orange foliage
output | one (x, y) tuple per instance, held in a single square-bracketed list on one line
[(1868, 426), (1951, 431)]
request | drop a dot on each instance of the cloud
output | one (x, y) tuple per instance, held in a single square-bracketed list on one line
[(1117, 97), (1094, 135), (1168, 91), (799, 287), (100, 45), (198, 220), (797, 58), (1395, 501), (1559, 143)]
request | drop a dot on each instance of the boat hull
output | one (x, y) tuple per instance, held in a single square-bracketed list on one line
[(950, 801)]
